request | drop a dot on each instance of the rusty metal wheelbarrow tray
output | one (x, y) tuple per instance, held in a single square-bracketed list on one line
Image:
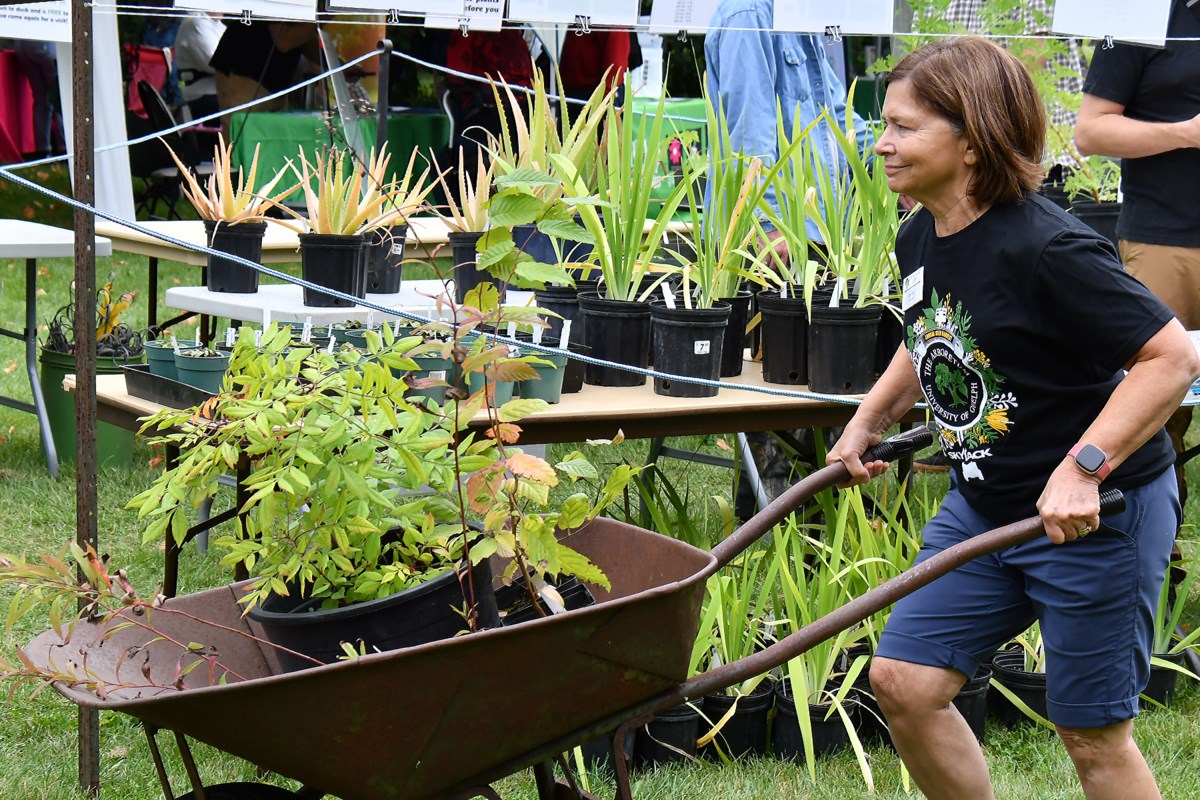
[(434, 721)]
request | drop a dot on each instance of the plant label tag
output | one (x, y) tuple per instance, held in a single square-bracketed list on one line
[(564, 338), (398, 247), (913, 289), (437, 374), (258, 338), (306, 331), (537, 334), (512, 330), (668, 296), (703, 347), (329, 347), (838, 288), (229, 336), (396, 329), (370, 320), (174, 344)]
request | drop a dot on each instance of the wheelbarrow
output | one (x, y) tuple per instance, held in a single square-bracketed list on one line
[(443, 720)]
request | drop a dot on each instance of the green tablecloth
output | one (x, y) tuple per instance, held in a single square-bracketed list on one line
[(280, 135)]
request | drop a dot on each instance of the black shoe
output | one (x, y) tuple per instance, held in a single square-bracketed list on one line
[(937, 462)]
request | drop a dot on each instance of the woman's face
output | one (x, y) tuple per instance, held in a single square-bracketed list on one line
[(923, 157)]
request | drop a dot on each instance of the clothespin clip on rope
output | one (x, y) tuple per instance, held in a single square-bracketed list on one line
[(393, 16), (246, 14), (833, 33), (585, 24), (1108, 42), (464, 25)]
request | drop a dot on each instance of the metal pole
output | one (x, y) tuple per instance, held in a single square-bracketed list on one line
[(85, 340), (381, 107)]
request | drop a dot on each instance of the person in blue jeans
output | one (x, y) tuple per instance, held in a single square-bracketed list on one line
[(1020, 326), (751, 71)]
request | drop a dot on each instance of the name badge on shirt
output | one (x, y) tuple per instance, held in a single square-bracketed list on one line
[(914, 288)]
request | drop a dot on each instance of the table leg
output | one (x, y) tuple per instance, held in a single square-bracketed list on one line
[(152, 290), (750, 472), (35, 383)]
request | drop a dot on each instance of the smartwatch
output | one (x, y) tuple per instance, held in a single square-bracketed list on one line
[(1091, 459)]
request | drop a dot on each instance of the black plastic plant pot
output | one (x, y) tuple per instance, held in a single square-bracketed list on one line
[(245, 240), (466, 274), (784, 338), (829, 735), (563, 301), (599, 755), (972, 701), (688, 342), (1100, 217), (422, 614), (841, 348), (1161, 686), (745, 732), (733, 347), (335, 262), (385, 259), (670, 736), (1008, 667), (513, 600), (887, 340), (616, 331), (575, 371)]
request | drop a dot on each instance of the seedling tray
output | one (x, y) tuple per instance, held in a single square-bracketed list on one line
[(139, 382)]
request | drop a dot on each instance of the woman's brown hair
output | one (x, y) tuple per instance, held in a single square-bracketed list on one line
[(987, 95)]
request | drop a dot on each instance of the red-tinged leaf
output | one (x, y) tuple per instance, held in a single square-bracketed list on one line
[(509, 433), (533, 468), (483, 486)]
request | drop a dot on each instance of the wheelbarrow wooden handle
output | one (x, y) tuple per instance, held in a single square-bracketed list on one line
[(883, 595), (889, 450)]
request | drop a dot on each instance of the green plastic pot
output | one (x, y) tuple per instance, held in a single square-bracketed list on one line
[(203, 372), (160, 354), (114, 446), (549, 384), (431, 367), (504, 389)]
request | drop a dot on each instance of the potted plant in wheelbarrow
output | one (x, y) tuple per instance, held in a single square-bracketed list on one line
[(235, 216), (359, 502)]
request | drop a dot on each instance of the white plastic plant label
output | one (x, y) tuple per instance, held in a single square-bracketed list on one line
[(398, 247), (564, 338), (703, 347), (229, 336), (370, 319), (512, 330), (537, 334), (306, 331), (258, 338), (329, 347), (437, 374), (174, 344), (668, 295)]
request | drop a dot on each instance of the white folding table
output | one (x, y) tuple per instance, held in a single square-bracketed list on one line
[(31, 241)]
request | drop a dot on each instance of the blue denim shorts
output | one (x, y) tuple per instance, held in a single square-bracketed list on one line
[(1095, 598)]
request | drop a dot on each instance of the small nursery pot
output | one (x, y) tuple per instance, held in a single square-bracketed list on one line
[(549, 383), (160, 354), (203, 371)]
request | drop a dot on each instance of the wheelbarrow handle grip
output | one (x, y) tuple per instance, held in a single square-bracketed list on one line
[(901, 445), (799, 493), (880, 597)]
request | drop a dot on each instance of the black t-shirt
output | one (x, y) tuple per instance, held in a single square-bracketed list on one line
[(249, 51), (1024, 321), (1157, 86)]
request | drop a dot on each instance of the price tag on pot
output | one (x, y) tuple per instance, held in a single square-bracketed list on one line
[(229, 334), (668, 295), (564, 338), (703, 347)]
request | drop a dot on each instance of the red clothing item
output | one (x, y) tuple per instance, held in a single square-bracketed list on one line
[(495, 54), (584, 59)]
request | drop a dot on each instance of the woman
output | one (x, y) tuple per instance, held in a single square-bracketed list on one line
[(1019, 321)]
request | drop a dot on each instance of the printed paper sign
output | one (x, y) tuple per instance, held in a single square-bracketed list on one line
[(673, 16), (598, 12), (848, 16), (47, 22), (477, 15), (442, 7), (1144, 22), (266, 9)]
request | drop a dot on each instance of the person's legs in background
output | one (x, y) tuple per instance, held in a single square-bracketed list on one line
[(37, 61)]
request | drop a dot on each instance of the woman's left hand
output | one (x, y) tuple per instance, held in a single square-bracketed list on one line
[(1070, 503)]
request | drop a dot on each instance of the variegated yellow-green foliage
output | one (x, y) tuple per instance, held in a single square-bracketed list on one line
[(351, 199), (466, 211), (220, 200)]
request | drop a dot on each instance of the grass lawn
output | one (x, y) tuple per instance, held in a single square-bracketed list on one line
[(37, 733)]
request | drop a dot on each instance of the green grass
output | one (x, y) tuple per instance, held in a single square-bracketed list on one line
[(37, 733)]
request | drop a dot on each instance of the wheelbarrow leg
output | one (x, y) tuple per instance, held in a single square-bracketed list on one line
[(621, 759), (550, 788)]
